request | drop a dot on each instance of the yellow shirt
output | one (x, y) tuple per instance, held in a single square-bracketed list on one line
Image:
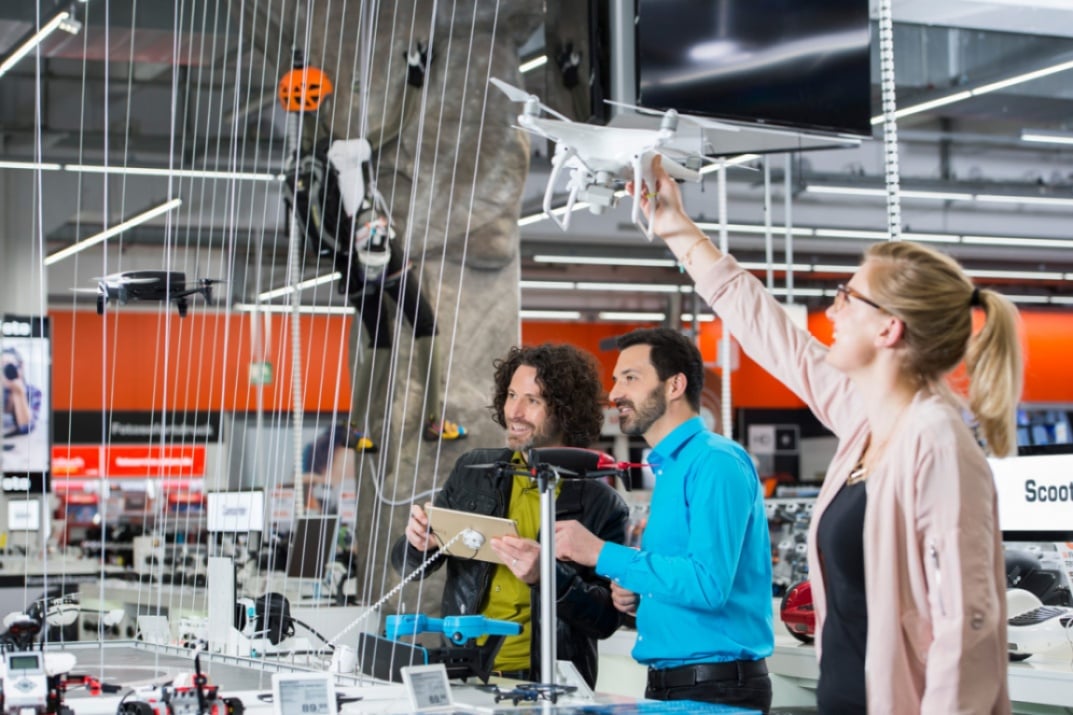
[(508, 597)]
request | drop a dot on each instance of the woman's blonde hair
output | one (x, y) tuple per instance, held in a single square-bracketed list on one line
[(931, 294)]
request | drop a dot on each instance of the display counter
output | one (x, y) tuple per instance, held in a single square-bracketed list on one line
[(134, 665), (1041, 685)]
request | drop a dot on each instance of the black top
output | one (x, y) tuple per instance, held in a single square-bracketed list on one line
[(840, 536)]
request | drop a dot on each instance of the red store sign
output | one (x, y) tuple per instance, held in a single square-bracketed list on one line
[(180, 461)]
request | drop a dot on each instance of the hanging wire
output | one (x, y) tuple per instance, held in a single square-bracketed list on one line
[(890, 119)]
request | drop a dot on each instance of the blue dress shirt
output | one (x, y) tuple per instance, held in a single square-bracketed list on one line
[(703, 573)]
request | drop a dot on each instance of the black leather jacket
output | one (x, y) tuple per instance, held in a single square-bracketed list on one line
[(585, 610)]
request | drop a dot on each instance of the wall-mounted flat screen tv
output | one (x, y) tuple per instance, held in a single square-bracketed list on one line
[(792, 63)]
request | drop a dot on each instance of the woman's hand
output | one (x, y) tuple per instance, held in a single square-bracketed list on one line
[(668, 218)]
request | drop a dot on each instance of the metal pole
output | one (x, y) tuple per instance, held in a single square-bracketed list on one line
[(547, 580)]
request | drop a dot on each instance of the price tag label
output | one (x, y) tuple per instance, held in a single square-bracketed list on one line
[(427, 686), (303, 694)]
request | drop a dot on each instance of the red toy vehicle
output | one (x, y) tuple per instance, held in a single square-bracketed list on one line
[(797, 612)]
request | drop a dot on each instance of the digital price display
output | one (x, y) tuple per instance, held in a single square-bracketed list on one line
[(303, 693)]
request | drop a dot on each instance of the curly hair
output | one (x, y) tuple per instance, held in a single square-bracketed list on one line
[(569, 381)]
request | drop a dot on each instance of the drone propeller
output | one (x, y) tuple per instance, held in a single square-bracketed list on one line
[(517, 94), (702, 122), (129, 281)]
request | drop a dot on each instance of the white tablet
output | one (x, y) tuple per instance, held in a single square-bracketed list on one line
[(446, 523), (303, 693)]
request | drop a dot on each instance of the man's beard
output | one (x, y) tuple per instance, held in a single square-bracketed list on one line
[(546, 435), (645, 414)]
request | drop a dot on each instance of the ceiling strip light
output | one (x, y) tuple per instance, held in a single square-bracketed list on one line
[(1018, 242), (606, 261), (301, 285), (633, 287), (1046, 137), (532, 64), (546, 285), (304, 309), (33, 41), (32, 165), (982, 89), (114, 230), (633, 317), (178, 173), (1039, 200), (1023, 275), (550, 314)]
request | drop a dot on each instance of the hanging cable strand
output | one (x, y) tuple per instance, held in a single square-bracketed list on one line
[(890, 119)]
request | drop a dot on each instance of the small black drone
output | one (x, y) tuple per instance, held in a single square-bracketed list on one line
[(150, 285)]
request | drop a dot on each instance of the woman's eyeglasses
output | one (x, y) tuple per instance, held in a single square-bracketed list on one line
[(843, 293)]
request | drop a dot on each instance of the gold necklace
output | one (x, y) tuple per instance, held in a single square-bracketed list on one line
[(860, 470)]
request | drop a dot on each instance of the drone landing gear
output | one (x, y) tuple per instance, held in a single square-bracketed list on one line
[(100, 304), (183, 305)]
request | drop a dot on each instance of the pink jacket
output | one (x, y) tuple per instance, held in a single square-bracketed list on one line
[(934, 569)]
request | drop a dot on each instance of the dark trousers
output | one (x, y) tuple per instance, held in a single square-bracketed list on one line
[(745, 684)]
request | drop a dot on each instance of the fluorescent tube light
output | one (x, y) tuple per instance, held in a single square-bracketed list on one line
[(851, 233), (33, 41), (546, 285), (178, 173), (1025, 275), (924, 106), (1018, 242), (550, 314), (1037, 200), (701, 318), (1022, 78), (532, 64), (844, 190), (1028, 298), (300, 285), (606, 261), (1044, 136), (982, 89), (877, 192), (304, 309), (633, 317), (751, 228), (632, 287), (32, 165), (114, 230), (931, 237)]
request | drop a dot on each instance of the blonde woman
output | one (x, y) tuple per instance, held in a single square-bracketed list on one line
[(904, 550)]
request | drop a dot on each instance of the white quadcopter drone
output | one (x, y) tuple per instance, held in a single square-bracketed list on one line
[(600, 156)]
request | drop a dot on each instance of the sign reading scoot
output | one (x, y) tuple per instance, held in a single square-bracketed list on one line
[(1035, 495)]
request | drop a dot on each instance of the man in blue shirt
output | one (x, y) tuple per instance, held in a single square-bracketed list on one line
[(700, 585)]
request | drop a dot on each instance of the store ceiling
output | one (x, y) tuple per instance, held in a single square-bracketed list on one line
[(970, 147)]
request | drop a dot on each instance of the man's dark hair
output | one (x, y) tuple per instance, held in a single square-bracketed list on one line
[(672, 353), (569, 380)]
